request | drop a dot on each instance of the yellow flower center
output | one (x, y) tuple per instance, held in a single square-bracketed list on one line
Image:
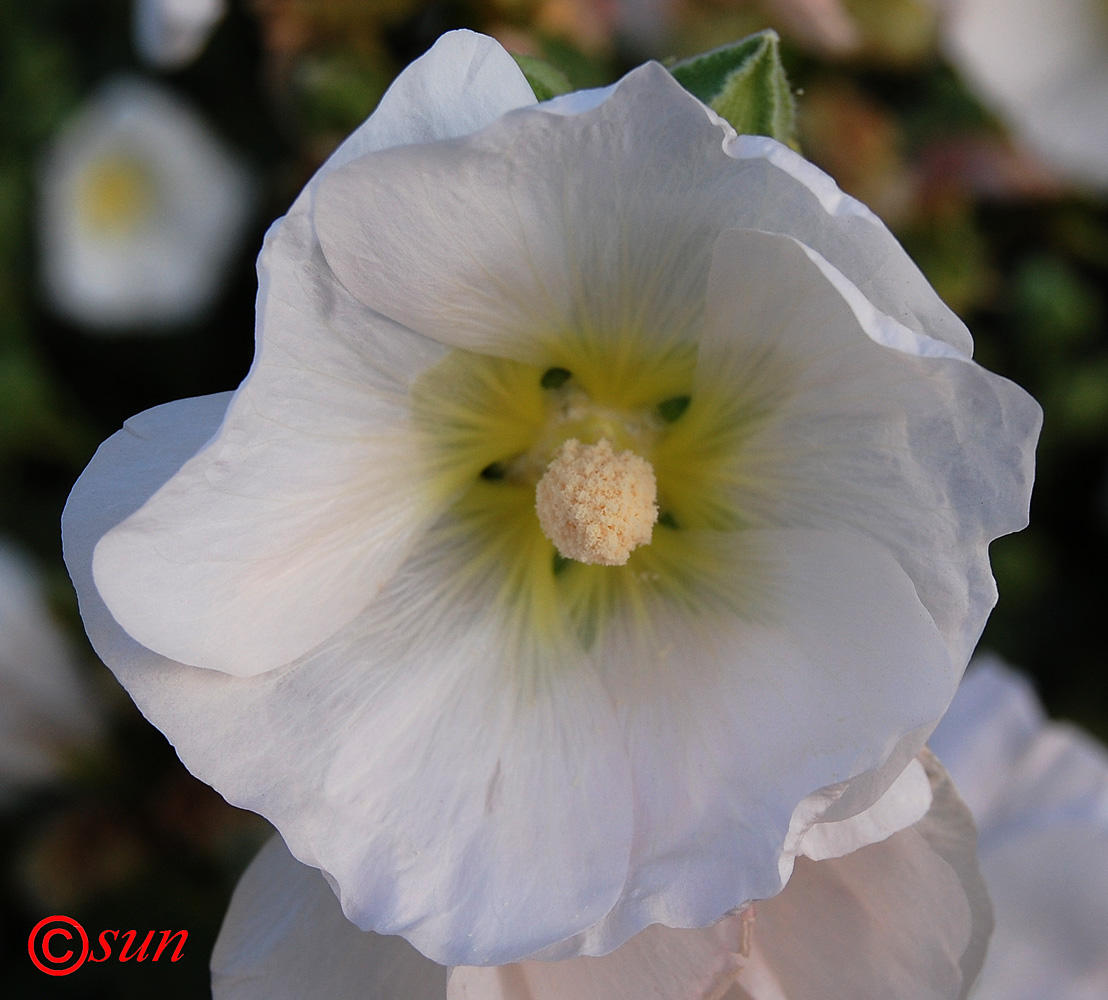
[(117, 195), (587, 487)]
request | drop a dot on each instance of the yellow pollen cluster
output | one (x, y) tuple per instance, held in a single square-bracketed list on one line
[(597, 505)]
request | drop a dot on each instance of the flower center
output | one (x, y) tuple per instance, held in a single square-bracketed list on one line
[(117, 195), (595, 504), (583, 490)]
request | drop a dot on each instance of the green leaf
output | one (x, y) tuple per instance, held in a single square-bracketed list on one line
[(546, 80), (744, 83)]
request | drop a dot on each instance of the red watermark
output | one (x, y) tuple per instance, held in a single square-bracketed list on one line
[(58, 945)]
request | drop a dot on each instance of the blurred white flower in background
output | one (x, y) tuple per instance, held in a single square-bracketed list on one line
[(906, 918), (141, 208), (1039, 793), (332, 592), (46, 710), (823, 24), (169, 34), (1042, 65)]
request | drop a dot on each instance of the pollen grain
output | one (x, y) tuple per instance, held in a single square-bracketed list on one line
[(595, 504)]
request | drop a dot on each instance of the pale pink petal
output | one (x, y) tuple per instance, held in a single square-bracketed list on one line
[(991, 723), (906, 802), (284, 938), (659, 963), (904, 919), (1050, 891), (1040, 797)]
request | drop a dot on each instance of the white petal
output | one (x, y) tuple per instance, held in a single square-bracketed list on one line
[(1060, 780), (906, 802), (904, 919), (464, 82), (1019, 772), (288, 523), (990, 724), (869, 428), (791, 196), (1040, 796), (508, 747), (484, 242), (659, 963), (403, 756), (126, 470), (1050, 891), (731, 722), (515, 254), (284, 938), (578, 101)]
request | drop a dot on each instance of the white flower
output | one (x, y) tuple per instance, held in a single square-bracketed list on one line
[(46, 712), (170, 34), (1043, 66), (903, 919), (141, 209), (1039, 793), (332, 591)]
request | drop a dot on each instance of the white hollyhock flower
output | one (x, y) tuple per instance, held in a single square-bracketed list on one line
[(906, 918), (46, 712), (333, 592), (1043, 66), (1039, 793), (141, 209), (170, 34)]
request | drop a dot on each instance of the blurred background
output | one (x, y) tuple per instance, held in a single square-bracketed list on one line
[(146, 146)]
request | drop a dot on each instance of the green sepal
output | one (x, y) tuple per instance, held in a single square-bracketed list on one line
[(745, 83), (546, 80)]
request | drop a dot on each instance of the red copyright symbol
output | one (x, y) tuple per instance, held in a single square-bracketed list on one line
[(51, 945)]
